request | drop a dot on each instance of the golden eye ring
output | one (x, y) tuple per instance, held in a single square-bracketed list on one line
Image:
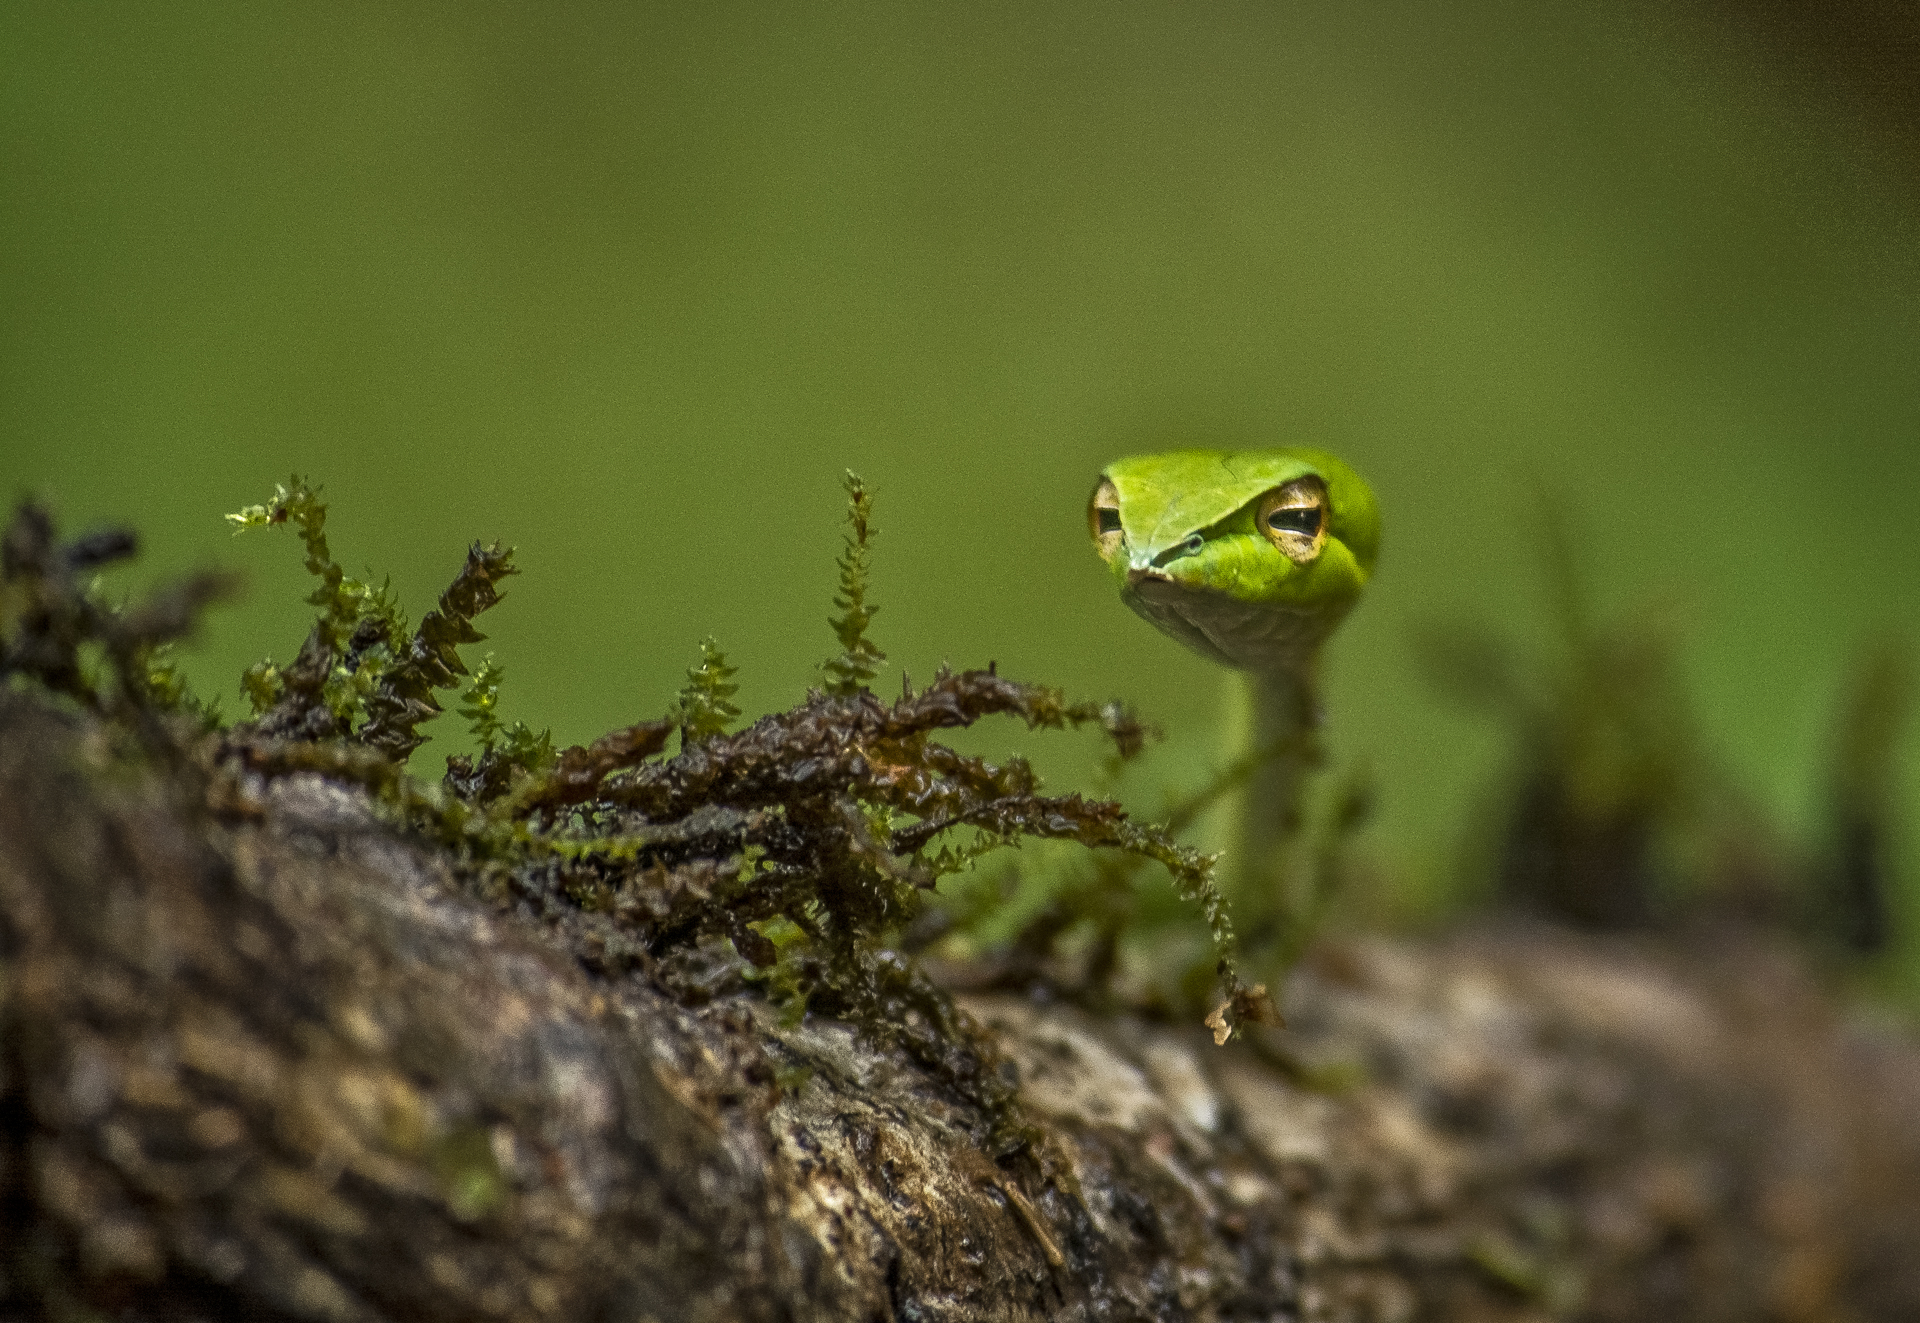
[(1294, 518), (1103, 519)]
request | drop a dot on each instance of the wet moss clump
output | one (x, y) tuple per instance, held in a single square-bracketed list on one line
[(791, 855)]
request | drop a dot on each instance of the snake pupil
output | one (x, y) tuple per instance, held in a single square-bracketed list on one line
[(1109, 520), (1303, 519)]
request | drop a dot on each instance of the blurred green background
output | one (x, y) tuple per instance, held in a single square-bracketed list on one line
[(630, 285)]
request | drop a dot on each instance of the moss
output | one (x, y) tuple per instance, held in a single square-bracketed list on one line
[(360, 675), (794, 854), (430, 660), (705, 707), (859, 660), (508, 753)]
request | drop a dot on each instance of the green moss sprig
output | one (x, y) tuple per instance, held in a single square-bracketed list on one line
[(859, 660), (360, 674), (506, 751), (430, 659), (705, 707), (340, 598)]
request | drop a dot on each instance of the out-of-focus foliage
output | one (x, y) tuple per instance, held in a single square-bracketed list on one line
[(1606, 765), (1862, 872), (59, 631), (1613, 811)]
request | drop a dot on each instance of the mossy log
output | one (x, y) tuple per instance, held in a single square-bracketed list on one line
[(273, 1063)]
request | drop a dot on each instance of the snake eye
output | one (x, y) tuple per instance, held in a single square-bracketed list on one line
[(1294, 518), (1103, 520)]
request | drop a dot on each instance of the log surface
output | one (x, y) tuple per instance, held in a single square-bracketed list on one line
[(280, 1065)]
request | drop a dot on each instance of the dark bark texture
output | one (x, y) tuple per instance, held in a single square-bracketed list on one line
[(276, 1064)]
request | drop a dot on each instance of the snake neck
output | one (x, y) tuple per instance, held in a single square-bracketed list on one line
[(1281, 720)]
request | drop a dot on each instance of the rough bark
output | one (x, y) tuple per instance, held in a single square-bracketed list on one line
[(278, 1065)]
